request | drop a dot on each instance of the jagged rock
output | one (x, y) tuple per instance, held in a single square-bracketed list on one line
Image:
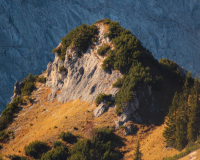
[(17, 89), (130, 128), (143, 100), (85, 78), (129, 112), (102, 107), (49, 67)]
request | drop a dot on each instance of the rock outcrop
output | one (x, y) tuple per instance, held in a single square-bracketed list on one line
[(83, 78), (30, 29)]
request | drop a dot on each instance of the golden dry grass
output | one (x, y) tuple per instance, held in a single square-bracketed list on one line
[(45, 120), (195, 155)]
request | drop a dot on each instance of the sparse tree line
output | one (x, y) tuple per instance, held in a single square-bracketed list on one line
[(183, 120), (101, 146)]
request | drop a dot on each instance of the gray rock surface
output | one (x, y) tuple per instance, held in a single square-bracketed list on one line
[(29, 29), (84, 78), (102, 107)]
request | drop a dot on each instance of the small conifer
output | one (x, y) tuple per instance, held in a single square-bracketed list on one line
[(138, 153)]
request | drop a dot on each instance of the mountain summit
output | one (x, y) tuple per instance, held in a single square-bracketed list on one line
[(102, 93)]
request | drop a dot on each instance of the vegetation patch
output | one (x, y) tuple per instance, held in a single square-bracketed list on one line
[(103, 49), (58, 153), (170, 69), (36, 149), (136, 63), (81, 37), (137, 76), (102, 97), (68, 137), (183, 118), (28, 84), (100, 147), (57, 144), (15, 157), (41, 79), (61, 68), (3, 136), (7, 114)]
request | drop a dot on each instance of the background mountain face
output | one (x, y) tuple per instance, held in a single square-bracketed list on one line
[(30, 29)]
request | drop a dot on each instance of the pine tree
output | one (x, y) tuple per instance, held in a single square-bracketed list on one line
[(193, 113), (189, 78), (170, 129), (186, 90), (181, 128), (138, 154), (182, 118)]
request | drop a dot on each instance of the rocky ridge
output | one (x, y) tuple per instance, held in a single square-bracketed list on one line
[(83, 78)]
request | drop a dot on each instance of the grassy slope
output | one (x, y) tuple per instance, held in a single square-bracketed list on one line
[(195, 155), (38, 121)]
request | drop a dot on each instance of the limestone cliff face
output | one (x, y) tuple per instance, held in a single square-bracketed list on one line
[(83, 78), (29, 29)]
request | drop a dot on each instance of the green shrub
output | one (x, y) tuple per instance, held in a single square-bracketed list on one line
[(28, 84), (28, 88), (61, 68), (30, 78), (15, 157), (7, 114), (104, 97), (81, 37), (30, 99), (100, 147), (3, 136), (128, 49), (105, 21), (57, 144), (58, 50), (41, 79), (171, 70), (103, 134), (137, 76), (59, 153), (115, 30), (119, 82), (103, 49), (68, 137), (75, 128), (36, 149), (108, 62)]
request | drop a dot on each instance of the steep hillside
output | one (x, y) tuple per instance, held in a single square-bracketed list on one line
[(45, 120), (29, 29), (103, 87)]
